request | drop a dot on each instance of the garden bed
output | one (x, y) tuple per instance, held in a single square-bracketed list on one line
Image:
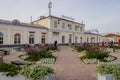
[(48, 60), (95, 54), (108, 72), (45, 56), (27, 72), (90, 61)]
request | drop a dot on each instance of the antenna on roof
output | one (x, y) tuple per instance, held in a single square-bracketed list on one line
[(30, 18), (82, 22), (50, 6)]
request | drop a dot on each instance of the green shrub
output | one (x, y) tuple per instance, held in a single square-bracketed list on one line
[(102, 55), (113, 69), (35, 55), (53, 48), (36, 72), (95, 54), (79, 49), (116, 72), (9, 69), (83, 57)]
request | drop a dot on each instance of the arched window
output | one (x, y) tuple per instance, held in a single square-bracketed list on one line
[(75, 39), (43, 38), (1, 38), (92, 40), (63, 39), (17, 38), (31, 39)]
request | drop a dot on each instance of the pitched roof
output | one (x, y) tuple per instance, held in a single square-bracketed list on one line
[(16, 22), (60, 19), (112, 35)]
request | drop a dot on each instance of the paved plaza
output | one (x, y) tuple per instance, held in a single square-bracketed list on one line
[(68, 65)]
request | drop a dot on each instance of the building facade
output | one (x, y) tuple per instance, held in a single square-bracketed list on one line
[(45, 30), (112, 37), (65, 31), (17, 33)]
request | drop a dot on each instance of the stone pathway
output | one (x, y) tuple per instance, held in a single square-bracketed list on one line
[(11, 57), (69, 67)]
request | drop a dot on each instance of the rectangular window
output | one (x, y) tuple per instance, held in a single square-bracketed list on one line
[(55, 24), (81, 29), (63, 25), (69, 26), (76, 28)]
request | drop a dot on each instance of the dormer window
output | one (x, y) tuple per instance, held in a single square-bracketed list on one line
[(15, 22), (55, 24)]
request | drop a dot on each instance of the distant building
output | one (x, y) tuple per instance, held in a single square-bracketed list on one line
[(112, 37)]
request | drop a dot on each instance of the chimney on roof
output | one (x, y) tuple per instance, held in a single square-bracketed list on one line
[(82, 22)]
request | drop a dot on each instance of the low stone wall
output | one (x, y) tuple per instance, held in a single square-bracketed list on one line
[(20, 77), (17, 77)]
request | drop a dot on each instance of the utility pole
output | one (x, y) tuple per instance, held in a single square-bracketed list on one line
[(50, 6)]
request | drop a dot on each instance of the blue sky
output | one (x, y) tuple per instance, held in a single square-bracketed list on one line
[(103, 15)]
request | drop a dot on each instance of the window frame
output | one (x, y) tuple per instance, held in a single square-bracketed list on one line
[(63, 25), (1, 38), (31, 39), (17, 38), (55, 24), (63, 39)]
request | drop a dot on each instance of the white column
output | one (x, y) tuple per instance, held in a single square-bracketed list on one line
[(67, 38), (39, 37), (9, 36), (50, 38), (25, 37)]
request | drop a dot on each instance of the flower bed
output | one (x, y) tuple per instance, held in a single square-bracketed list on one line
[(36, 72), (27, 72), (110, 58), (48, 60), (90, 61), (98, 54), (36, 55), (113, 69)]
